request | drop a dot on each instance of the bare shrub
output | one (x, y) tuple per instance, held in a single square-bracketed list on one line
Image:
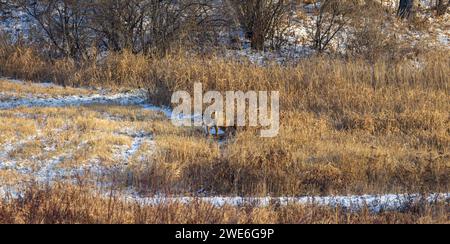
[(140, 25), (71, 28), (442, 6), (3, 6), (63, 24), (262, 20), (406, 8), (330, 18)]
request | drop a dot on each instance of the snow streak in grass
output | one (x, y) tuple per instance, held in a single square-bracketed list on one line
[(374, 203), (124, 99)]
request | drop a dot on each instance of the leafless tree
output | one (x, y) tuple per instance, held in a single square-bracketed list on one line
[(117, 22), (2, 6), (5, 6), (72, 26), (406, 8), (146, 25), (174, 21), (331, 17), (262, 20), (63, 23), (442, 6)]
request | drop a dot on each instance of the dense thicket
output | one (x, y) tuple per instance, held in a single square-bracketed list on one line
[(72, 28)]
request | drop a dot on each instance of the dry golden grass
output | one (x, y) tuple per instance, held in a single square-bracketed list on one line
[(32, 138), (24, 63), (13, 128), (19, 90), (65, 204), (341, 132), (11, 178), (181, 164)]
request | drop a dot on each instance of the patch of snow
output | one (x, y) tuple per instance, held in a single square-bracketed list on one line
[(131, 98), (444, 39), (374, 203), (49, 170), (7, 164), (17, 24), (140, 138), (164, 110)]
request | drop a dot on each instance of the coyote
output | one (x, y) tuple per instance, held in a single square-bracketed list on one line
[(220, 132)]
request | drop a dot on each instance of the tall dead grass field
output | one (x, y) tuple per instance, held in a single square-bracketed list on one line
[(343, 130)]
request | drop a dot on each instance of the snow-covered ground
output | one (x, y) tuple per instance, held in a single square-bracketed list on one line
[(41, 169), (51, 170), (374, 203), (130, 98)]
